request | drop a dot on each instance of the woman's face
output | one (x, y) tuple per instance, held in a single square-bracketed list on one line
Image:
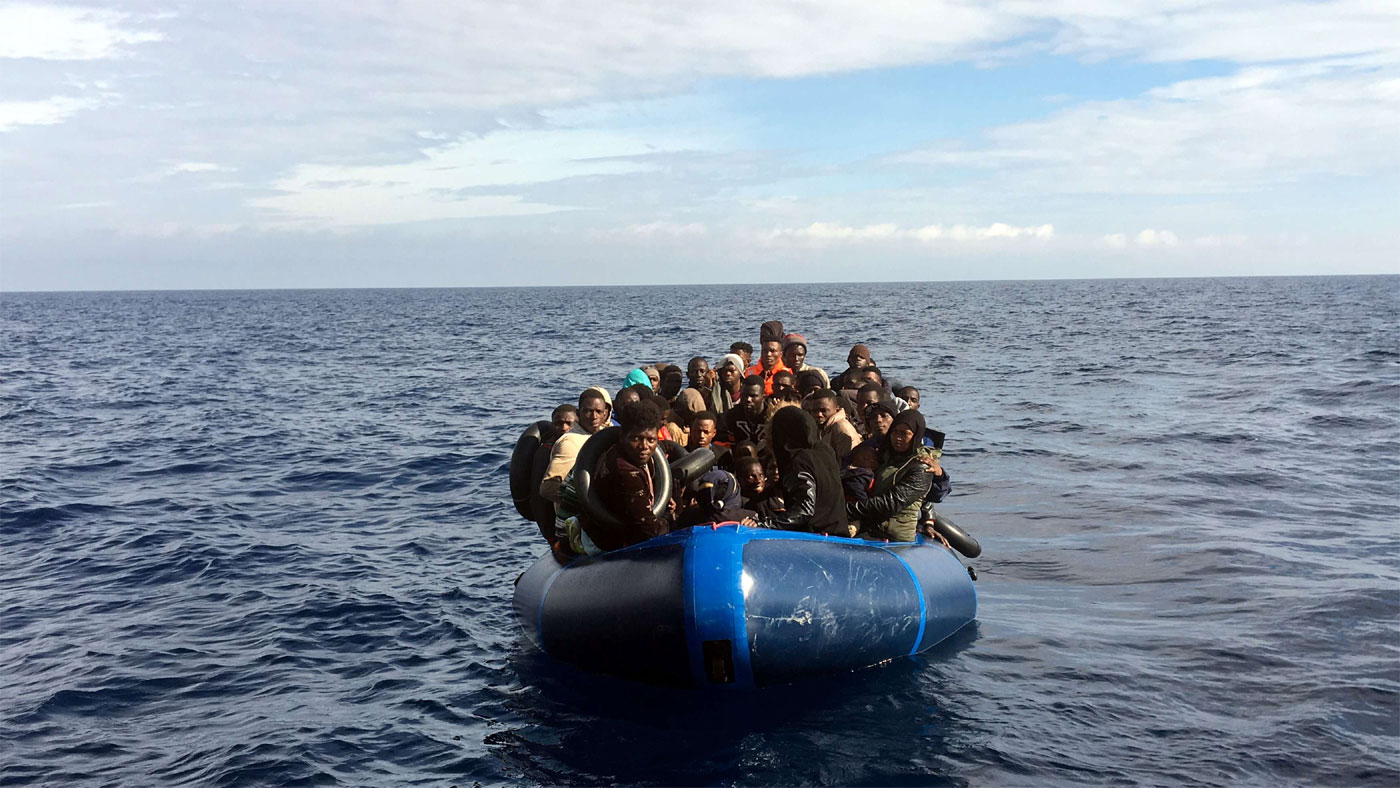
[(879, 422), (901, 438), (654, 377), (638, 446)]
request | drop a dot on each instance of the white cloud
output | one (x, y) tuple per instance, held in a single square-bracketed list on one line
[(828, 232), (1150, 237), (199, 166), (64, 33), (440, 183), (14, 114), (1261, 126)]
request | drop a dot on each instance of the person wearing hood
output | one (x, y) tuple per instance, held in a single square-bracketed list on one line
[(891, 511), (636, 377), (857, 360), (809, 478), (770, 359), (716, 501), (729, 381)]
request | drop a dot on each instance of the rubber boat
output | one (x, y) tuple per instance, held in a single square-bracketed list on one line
[(726, 605), (730, 606)]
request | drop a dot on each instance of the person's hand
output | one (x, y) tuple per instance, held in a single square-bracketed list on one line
[(932, 464), (749, 521)]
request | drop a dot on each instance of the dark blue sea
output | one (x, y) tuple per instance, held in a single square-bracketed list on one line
[(265, 538)]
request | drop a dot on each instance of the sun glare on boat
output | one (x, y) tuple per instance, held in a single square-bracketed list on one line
[(745, 583)]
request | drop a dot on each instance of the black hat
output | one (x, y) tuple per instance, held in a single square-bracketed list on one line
[(772, 331)]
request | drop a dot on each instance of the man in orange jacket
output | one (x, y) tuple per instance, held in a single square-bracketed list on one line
[(770, 359)]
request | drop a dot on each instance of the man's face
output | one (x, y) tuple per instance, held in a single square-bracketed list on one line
[(752, 480), (592, 415), (728, 377), (878, 422), (565, 421), (912, 397), (699, 373), (870, 376), (795, 355), (752, 399), (856, 361), (822, 410), (772, 353), (864, 400), (784, 380), (702, 431), (746, 355), (655, 378), (638, 446)]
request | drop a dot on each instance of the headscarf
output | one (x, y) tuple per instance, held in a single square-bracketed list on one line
[(636, 376), (914, 421), (688, 403)]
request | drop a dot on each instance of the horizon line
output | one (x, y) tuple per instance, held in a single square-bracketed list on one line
[(4, 291)]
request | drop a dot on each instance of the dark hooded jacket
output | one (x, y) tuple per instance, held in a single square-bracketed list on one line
[(811, 482), (891, 511)]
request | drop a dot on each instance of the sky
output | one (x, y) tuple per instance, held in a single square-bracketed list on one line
[(268, 143)]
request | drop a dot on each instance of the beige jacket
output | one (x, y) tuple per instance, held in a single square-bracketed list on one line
[(561, 461), (839, 433)]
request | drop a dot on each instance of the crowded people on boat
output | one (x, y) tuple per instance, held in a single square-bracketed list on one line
[(846, 457)]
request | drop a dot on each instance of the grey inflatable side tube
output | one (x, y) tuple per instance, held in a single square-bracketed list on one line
[(961, 540), (686, 470), (587, 461)]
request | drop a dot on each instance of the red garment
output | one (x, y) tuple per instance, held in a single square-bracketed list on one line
[(767, 375)]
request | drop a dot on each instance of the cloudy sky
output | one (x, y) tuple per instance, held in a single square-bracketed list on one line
[(273, 143)]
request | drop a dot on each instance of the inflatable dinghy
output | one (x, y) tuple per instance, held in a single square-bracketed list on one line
[(729, 606)]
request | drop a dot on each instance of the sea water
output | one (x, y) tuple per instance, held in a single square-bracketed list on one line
[(266, 538)]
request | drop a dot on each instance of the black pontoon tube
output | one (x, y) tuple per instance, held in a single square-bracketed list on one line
[(522, 463)]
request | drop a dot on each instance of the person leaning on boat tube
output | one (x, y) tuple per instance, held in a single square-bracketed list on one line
[(891, 509), (624, 484)]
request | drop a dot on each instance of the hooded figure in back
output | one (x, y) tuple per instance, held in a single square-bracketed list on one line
[(810, 480)]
